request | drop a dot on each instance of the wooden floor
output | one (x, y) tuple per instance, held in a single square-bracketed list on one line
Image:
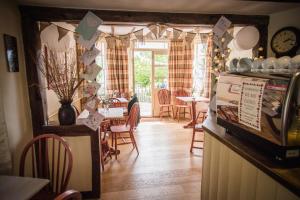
[(164, 169)]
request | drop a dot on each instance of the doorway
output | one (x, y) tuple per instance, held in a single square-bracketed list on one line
[(150, 73)]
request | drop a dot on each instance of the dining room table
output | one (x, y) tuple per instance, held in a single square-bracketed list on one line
[(193, 100), (20, 188)]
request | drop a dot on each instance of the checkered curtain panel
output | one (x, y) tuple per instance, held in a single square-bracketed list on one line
[(208, 65), (117, 69), (180, 66)]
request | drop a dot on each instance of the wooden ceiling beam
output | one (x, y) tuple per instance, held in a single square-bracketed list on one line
[(75, 15)]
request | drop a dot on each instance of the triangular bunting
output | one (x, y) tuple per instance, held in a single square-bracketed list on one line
[(176, 33), (61, 32), (111, 42), (190, 36), (154, 29), (169, 34), (125, 40), (139, 35), (161, 30), (149, 36), (44, 25)]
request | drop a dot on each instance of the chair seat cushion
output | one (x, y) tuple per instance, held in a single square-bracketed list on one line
[(120, 128)]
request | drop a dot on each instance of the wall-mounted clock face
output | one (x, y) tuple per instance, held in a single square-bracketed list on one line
[(285, 41)]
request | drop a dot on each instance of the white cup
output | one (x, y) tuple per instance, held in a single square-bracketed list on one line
[(244, 65), (295, 63), (256, 65), (269, 65)]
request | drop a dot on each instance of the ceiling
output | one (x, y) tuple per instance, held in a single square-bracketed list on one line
[(185, 6)]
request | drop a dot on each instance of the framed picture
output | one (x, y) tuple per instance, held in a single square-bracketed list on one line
[(11, 50)]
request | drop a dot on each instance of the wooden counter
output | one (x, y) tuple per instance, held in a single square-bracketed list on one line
[(234, 169)]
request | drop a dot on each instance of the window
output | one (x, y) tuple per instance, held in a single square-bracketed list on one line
[(199, 67), (101, 61), (160, 70)]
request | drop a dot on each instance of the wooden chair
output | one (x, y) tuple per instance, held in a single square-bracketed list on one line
[(69, 195), (164, 100), (198, 129), (120, 130), (180, 105), (115, 103), (105, 149), (51, 158)]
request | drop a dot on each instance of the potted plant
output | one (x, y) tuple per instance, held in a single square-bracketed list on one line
[(60, 71)]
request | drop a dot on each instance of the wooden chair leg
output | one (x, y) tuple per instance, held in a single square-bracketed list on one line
[(116, 145), (133, 140), (172, 111), (193, 138), (178, 113)]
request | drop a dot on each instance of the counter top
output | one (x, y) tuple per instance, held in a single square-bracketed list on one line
[(289, 177)]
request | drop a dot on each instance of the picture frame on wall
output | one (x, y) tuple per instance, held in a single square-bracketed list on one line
[(11, 51)]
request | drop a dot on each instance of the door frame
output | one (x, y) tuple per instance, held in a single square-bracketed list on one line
[(152, 87)]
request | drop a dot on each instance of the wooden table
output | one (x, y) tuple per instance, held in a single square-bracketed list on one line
[(193, 100), (112, 113), (20, 188)]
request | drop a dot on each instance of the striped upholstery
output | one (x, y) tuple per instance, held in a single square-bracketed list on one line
[(180, 65), (117, 69)]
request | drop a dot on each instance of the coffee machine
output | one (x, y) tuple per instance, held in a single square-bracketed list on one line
[(263, 109)]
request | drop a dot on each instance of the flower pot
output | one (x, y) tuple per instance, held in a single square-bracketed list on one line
[(66, 114)]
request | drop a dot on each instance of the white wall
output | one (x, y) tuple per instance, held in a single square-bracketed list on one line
[(13, 86), (280, 20)]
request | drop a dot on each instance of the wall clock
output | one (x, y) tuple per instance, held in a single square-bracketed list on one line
[(285, 42)]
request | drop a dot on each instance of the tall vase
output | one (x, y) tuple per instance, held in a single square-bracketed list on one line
[(66, 113)]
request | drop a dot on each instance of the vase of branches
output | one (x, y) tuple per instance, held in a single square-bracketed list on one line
[(60, 70)]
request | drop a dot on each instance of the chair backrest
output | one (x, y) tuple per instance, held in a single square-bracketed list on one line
[(51, 158), (180, 93), (133, 116), (164, 96), (115, 103)]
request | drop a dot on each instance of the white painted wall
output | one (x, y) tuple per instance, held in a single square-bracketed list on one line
[(13, 86), (280, 20)]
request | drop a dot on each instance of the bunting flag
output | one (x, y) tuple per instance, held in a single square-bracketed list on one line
[(169, 34), (88, 44), (44, 25), (139, 35), (111, 42), (190, 36), (61, 32), (226, 39), (161, 30), (154, 30), (176, 33), (88, 25), (149, 36), (125, 40)]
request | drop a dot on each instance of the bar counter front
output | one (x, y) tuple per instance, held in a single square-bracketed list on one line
[(234, 169)]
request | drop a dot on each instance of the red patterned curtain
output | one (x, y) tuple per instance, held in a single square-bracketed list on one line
[(117, 69), (180, 66)]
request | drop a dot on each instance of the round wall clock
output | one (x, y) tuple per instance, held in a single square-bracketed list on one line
[(285, 42)]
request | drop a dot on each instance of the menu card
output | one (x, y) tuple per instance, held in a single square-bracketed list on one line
[(250, 105)]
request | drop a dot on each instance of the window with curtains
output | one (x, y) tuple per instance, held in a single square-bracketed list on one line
[(102, 62), (199, 67)]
